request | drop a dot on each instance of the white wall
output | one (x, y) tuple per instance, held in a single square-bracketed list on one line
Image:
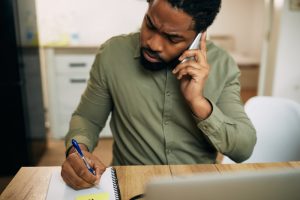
[(287, 61), (94, 21), (242, 19)]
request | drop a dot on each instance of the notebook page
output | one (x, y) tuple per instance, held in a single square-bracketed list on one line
[(59, 190)]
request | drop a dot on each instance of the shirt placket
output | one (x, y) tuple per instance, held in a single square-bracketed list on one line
[(167, 117)]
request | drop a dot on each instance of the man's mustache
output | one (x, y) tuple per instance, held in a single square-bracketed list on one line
[(152, 53)]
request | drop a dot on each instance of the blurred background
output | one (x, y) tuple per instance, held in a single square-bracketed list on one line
[(48, 47)]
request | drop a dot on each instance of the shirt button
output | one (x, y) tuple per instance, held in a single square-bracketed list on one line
[(166, 123), (168, 93), (169, 151), (205, 127)]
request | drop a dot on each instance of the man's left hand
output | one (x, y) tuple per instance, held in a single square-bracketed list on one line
[(193, 74)]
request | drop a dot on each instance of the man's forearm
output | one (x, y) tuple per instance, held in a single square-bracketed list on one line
[(201, 108)]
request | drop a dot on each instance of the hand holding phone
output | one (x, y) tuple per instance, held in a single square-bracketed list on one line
[(193, 75), (195, 45)]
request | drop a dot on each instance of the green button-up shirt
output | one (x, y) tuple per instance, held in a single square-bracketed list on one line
[(151, 122)]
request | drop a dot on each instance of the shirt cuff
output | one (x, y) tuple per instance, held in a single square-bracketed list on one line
[(80, 140), (211, 126)]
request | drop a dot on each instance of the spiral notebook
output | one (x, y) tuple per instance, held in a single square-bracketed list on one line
[(108, 188)]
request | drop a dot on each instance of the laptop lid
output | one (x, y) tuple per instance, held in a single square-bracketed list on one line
[(283, 184)]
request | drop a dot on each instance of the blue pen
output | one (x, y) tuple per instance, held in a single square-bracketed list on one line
[(76, 146)]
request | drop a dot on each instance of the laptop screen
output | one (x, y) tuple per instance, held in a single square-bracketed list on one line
[(283, 184)]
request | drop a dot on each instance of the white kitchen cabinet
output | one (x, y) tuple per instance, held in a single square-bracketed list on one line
[(67, 73)]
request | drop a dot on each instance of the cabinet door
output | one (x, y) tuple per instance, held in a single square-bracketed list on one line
[(65, 64), (67, 74), (69, 90)]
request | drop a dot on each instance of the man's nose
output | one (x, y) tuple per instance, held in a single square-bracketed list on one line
[(155, 42)]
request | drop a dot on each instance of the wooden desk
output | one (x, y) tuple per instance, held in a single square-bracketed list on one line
[(31, 183)]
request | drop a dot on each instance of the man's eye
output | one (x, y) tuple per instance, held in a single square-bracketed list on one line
[(173, 40)]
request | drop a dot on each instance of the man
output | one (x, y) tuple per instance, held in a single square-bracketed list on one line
[(164, 110)]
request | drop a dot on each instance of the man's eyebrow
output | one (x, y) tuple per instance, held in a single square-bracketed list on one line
[(150, 21), (167, 34)]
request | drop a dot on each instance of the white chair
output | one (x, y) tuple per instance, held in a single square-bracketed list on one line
[(277, 123)]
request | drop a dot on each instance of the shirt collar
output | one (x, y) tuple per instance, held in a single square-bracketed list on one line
[(137, 53)]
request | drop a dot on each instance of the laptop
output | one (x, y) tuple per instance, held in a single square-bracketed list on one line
[(283, 184)]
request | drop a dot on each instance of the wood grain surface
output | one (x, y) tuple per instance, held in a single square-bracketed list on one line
[(31, 183)]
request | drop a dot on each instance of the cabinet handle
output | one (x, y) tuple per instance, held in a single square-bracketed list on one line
[(77, 64), (79, 80)]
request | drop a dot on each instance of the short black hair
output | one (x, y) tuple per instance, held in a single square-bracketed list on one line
[(203, 12)]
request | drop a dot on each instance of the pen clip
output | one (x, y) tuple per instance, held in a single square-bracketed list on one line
[(76, 146)]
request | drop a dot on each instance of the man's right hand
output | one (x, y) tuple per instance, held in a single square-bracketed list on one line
[(75, 173)]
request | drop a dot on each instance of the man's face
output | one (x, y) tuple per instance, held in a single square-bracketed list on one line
[(166, 32)]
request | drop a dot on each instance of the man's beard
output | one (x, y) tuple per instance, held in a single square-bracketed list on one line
[(156, 66)]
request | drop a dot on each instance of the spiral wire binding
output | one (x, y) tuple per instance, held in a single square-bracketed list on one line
[(115, 184)]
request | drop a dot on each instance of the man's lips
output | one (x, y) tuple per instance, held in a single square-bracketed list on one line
[(150, 57)]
